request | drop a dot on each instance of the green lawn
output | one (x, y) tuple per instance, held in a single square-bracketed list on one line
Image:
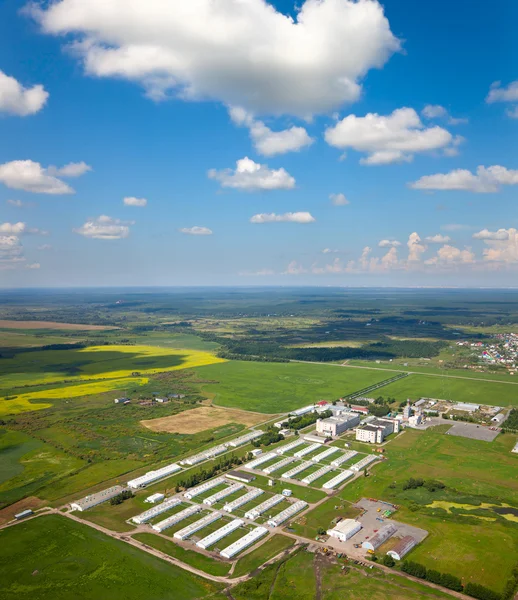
[(190, 557), (69, 560), (281, 387), (272, 547)]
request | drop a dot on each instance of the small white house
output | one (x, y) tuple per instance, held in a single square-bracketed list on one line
[(154, 498)]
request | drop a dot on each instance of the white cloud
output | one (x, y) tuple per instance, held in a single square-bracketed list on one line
[(132, 201), (437, 239), (296, 217), (415, 248), (251, 176), (486, 180), (240, 53), (387, 139), (196, 230), (70, 170), (45, 247), (17, 203), (268, 142), (485, 234), (434, 111), (33, 266), (12, 228), (450, 255), (260, 273), (18, 100), (330, 251), (497, 93), (30, 176), (11, 252), (338, 199), (294, 268), (389, 244), (105, 228)]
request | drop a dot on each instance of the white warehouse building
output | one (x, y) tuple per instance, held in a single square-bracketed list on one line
[(334, 426), (345, 529)]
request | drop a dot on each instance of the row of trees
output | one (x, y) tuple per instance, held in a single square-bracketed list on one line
[(511, 423), (308, 419), (430, 484), (223, 465), (119, 499), (270, 436)]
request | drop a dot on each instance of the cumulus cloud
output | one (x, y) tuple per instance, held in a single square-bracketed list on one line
[(12, 228), (132, 201), (388, 139), (268, 142), (497, 93), (437, 239), (436, 111), (485, 234), (415, 248), (389, 244), (294, 268), (295, 217), (104, 228), (11, 252), (450, 255), (251, 176), (338, 199), (486, 180), (240, 53), (18, 100), (30, 176), (512, 113), (196, 230), (45, 247), (70, 170)]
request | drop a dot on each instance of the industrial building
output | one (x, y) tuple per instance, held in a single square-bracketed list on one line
[(377, 430), (154, 498), (325, 454), (287, 513), (157, 510), (363, 410), (316, 475), (290, 446), (466, 407), (315, 439), (260, 460), (239, 476), (347, 455), (206, 455), (297, 469), (386, 532), (345, 529), (302, 411), (151, 476), (177, 518), (403, 547), (244, 439), (361, 464), (248, 497), (334, 426), (97, 498), (264, 506), (250, 538), (307, 450), (204, 487), (191, 529), (337, 480), (278, 465), (219, 534), (499, 418), (235, 487)]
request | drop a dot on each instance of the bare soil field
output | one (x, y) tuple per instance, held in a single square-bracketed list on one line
[(7, 513), (203, 418), (50, 325)]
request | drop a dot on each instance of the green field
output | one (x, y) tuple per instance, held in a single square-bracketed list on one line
[(69, 560), (281, 387), (272, 547), (473, 472)]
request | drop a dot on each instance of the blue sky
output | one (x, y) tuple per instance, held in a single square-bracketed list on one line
[(144, 101)]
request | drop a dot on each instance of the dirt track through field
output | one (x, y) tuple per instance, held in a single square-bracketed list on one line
[(203, 418), (6, 324)]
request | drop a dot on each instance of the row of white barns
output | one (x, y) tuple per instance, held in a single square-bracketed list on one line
[(205, 455), (203, 487), (283, 516), (220, 533), (325, 454), (290, 446), (363, 462), (180, 516), (307, 450), (244, 439), (151, 476), (264, 506), (344, 458), (157, 510), (297, 469), (244, 542), (316, 475), (186, 532), (260, 460), (235, 487), (337, 480), (279, 465), (248, 497)]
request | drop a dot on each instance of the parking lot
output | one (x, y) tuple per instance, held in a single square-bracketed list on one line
[(475, 432)]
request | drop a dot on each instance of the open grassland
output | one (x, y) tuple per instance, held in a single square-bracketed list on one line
[(473, 472), (204, 418), (416, 386), (69, 560), (9, 324), (30, 339), (251, 561), (281, 387)]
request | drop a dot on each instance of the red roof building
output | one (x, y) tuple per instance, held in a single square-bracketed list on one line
[(360, 409)]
